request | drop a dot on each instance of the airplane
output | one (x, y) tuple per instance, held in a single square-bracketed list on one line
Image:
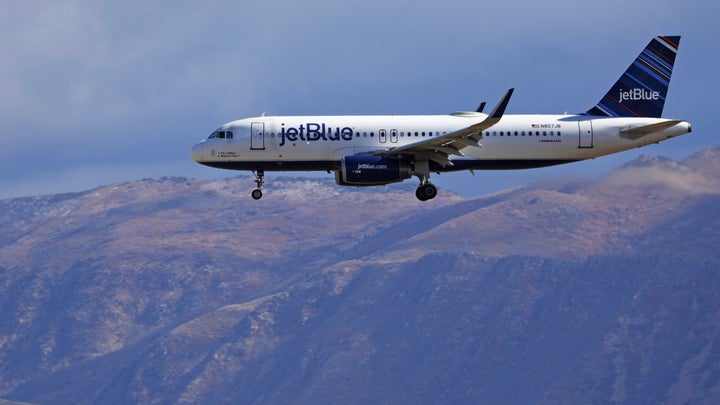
[(379, 150)]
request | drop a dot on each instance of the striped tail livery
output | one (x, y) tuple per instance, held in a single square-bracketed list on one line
[(641, 90)]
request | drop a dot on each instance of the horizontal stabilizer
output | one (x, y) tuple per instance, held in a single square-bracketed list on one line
[(638, 132)]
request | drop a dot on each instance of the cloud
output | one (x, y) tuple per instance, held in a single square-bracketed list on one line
[(78, 178), (651, 172)]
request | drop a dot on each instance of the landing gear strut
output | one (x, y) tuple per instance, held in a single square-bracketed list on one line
[(259, 180)]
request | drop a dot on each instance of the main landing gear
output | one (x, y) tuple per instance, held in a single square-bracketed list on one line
[(259, 180), (426, 191)]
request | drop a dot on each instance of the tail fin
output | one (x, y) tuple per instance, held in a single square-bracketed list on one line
[(641, 90)]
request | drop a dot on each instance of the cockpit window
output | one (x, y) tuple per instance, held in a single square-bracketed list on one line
[(221, 135)]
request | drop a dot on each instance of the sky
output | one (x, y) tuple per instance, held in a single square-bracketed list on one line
[(98, 92)]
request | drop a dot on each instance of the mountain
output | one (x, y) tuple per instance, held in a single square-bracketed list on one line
[(177, 290)]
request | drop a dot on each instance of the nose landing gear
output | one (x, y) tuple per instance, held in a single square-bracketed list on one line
[(259, 180)]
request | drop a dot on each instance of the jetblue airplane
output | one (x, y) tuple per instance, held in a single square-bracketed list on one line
[(378, 150)]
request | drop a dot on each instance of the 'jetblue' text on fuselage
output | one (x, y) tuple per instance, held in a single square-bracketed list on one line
[(312, 131)]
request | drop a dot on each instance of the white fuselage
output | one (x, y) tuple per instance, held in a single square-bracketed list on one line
[(517, 141), (377, 150)]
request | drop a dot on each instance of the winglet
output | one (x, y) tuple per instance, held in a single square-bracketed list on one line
[(481, 107), (499, 110)]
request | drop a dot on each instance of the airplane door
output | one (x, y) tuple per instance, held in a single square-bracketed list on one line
[(383, 136), (393, 135), (257, 136), (586, 134)]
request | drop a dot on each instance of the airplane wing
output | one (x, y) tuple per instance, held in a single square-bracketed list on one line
[(439, 149), (638, 132)]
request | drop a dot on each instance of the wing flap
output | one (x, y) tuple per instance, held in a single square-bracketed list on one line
[(468, 141)]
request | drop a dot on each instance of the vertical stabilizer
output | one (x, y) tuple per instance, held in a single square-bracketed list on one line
[(641, 90)]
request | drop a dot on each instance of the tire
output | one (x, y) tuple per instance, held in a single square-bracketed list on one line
[(426, 192), (256, 194), (420, 194), (430, 191)]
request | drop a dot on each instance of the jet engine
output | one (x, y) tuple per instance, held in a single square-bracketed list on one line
[(371, 171)]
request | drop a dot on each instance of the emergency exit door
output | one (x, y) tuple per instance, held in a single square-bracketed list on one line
[(257, 136), (586, 134)]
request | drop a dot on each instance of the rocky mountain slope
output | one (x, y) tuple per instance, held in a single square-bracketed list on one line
[(185, 291)]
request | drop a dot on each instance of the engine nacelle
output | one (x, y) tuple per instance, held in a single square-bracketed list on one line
[(371, 171)]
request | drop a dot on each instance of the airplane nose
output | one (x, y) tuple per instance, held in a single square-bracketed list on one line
[(196, 153)]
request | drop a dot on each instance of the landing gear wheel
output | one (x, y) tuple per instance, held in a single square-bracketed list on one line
[(419, 194), (426, 191), (256, 194)]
